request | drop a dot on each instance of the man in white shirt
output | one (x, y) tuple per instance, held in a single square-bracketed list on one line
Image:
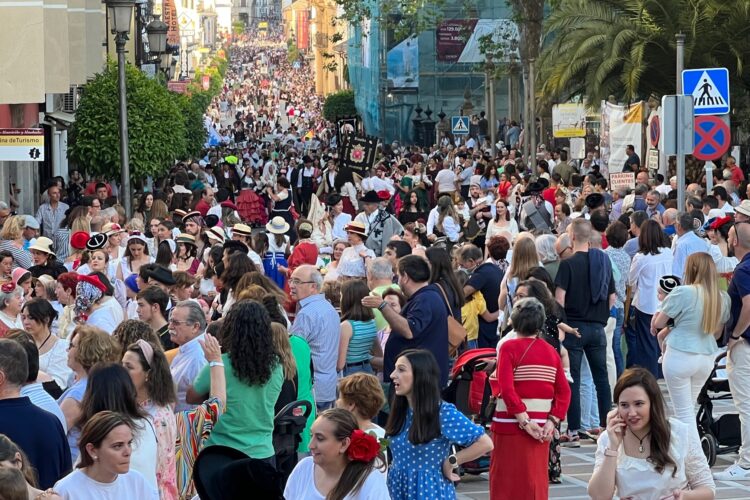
[(187, 325), (446, 180)]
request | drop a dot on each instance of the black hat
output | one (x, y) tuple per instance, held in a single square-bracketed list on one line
[(211, 220), (97, 241), (162, 275), (594, 200), (370, 197), (668, 283), (307, 159), (533, 187)]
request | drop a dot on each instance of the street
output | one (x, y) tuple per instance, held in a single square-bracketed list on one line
[(578, 464)]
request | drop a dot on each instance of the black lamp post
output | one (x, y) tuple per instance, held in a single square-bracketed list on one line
[(157, 42), (121, 14)]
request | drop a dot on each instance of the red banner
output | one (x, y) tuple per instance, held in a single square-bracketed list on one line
[(303, 30)]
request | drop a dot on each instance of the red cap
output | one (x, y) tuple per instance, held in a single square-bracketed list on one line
[(79, 239), (720, 221), (93, 280), (229, 204), (384, 195)]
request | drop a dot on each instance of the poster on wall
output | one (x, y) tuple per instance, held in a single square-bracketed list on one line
[(403, 65), (458, 40), (569, 120), (620, 126)]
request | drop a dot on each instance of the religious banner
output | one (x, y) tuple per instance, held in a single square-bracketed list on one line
[(620, 126), (358, 152)]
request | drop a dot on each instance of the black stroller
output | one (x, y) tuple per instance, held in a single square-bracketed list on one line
[(718, 436)]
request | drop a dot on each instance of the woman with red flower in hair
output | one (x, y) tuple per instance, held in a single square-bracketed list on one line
[(342, 465)]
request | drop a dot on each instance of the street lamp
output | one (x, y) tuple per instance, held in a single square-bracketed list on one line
[(121, 13), (157, 37)]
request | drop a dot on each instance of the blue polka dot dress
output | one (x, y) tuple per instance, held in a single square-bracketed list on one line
[(416, 472)]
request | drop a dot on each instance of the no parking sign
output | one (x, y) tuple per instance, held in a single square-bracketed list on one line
[(712, 137)]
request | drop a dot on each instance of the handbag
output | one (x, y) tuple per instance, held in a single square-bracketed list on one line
[(456, 331)]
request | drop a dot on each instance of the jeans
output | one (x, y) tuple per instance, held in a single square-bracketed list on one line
[(358, 368), (619, 314), (685, 374), (589, 410), (593, 344), (738, 373)]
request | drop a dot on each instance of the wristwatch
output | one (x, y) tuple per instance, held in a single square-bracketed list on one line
[(382, 305), (453, 460), (523, 424)]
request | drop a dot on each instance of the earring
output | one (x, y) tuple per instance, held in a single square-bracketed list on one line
[(96, 458)]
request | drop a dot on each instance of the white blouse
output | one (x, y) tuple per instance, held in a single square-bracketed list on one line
[(55, 363), (636, 478)]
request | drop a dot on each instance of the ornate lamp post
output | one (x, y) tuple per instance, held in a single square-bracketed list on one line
[(121, 14)]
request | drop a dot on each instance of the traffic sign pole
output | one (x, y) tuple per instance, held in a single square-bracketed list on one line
[(680, 161)]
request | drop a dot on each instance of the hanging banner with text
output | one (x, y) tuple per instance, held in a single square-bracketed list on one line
[(569, 120), (21, 144), (620, 126)]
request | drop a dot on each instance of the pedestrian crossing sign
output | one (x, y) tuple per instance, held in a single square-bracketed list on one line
[(460, 125), (709, 88)]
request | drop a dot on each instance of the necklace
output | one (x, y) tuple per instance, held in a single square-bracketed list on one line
[(640, 440), (45, 341)]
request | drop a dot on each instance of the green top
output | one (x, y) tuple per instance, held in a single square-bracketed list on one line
[(247, 424), (380, 322), (301, 353)]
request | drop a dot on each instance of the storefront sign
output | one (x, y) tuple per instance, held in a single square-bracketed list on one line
[(21, 144)]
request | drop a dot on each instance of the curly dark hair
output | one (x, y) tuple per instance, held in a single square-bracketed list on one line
[(246, 334), (239, 264)]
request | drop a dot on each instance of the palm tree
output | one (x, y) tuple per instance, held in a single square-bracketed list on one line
[(626, 48)]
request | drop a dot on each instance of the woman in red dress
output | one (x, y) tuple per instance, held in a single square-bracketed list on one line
[(534, 397)]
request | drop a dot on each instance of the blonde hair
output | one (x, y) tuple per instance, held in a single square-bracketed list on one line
[(283, 348), (159, 209), (13, 227), (524, 258), (700, 271)]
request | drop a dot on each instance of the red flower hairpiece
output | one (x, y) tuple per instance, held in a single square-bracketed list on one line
[(8, 287), (364, 447)]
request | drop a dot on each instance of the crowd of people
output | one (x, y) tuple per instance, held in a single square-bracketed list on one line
[(136, 348)]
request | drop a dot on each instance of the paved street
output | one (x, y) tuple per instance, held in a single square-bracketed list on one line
[(578, 463)]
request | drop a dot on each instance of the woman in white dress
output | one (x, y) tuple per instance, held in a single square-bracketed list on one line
[(644, 454), (104, 471), (136, 255), (502, 222)]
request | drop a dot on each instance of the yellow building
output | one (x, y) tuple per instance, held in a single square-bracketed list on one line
[(310, 22)]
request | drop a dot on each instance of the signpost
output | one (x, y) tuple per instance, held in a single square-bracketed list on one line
[(677, 111), (652, 160), (460, 125), (709, 88), (21, 144)]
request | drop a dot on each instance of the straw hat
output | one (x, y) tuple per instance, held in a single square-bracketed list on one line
[(277, 226), (44, 245), (356, 228)]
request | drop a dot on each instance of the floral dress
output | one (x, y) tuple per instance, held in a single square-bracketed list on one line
[(416, 472), (165, 426)]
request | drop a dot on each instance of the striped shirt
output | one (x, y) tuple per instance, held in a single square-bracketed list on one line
[(318, 323), (363, 336), (531, 380), (21, 258), (36, 393), (50, 218)]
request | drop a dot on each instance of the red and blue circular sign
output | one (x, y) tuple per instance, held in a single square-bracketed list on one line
[(654, 131), (712, 137)]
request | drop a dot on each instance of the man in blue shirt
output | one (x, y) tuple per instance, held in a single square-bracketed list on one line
[(37, 432), (687, 243), (423, 322), (738, 343)]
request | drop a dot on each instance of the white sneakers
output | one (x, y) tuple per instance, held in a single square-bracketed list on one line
[(733, 473)]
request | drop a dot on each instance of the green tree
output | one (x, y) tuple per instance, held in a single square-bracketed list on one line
[(156, 126), (192, 108), (339, 104), (626, 48)]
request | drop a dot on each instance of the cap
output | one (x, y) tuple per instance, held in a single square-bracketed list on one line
[(31, 222)]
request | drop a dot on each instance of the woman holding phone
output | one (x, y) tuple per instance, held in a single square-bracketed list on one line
[(644, 454)]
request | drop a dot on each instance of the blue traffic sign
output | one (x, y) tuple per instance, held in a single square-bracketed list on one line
[(460, 125), (712, 137), (709, 88)]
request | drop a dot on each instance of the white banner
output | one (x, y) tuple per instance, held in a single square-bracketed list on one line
[(620, 126)]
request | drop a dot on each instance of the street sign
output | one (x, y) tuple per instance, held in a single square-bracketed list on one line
[(652, 160), (677, 111), (709, 88), (460, 125), (712, 137), (654, 131), (21, 144)]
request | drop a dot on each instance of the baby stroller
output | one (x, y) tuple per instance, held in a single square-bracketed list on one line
[(469, 389), (718, 436)]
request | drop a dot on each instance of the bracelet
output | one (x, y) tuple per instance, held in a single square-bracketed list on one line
[(610, 453), (215, 363), (553, 419), (523, 424), (382, 305), (735, 338)]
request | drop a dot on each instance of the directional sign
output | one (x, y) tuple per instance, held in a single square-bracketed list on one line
[(460, 125), (712, 137), (709, 88)]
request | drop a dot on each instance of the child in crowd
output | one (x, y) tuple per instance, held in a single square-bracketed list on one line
[(474, 307)]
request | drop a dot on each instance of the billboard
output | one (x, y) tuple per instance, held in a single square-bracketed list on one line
[(403, 65), (458, 40), (620, 126), (568, 120), (21, 144)]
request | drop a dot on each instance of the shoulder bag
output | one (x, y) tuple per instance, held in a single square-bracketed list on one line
[(456, 331)]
